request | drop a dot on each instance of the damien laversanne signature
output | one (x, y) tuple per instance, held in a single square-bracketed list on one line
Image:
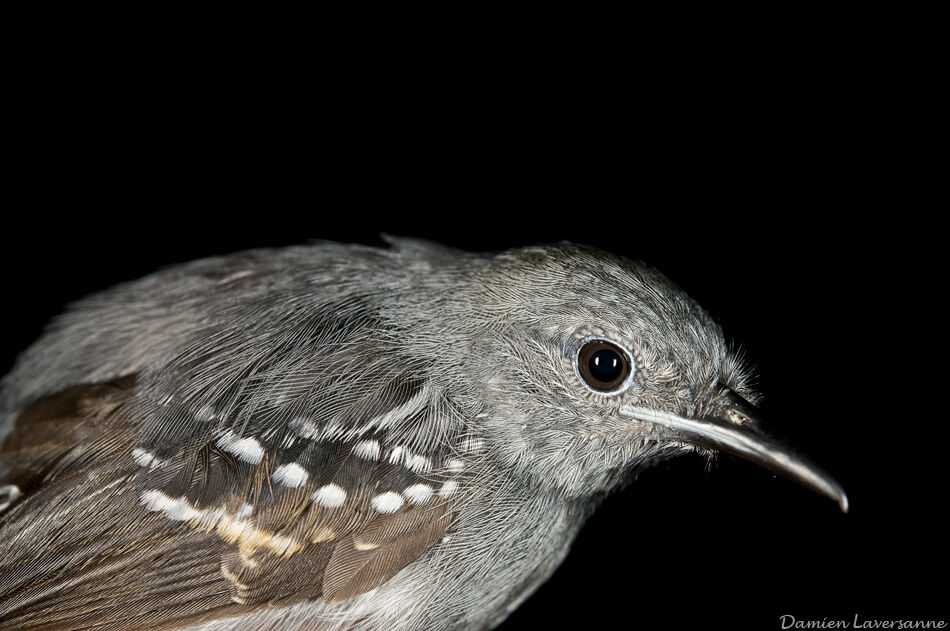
[(789, 621)]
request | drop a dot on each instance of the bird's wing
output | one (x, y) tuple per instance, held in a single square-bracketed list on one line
[(150, 512)]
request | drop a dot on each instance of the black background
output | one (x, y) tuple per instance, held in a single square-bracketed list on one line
[(774, 195)]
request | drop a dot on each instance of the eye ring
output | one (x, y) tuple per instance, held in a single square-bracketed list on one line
[(603, 366)]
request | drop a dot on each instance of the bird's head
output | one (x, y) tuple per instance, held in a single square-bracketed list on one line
[(585, 366)]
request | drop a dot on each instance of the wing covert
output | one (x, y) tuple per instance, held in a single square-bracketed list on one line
[(216, 528)]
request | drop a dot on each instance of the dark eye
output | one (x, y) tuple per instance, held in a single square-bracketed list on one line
[(604, 366)]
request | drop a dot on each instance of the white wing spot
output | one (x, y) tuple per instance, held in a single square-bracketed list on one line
[(291, 475), (418, 493), (246, 449), (231, 528), (175, 509), (332, 431), (330, 496), (395, 456), (305, 428), (8, 494), (368, 449), (454, 465), (388, 502), (244, 512), (418, 464), (449, 488), (144, 458)]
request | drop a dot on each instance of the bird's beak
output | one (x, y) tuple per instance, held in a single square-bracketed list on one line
[(735, 430)]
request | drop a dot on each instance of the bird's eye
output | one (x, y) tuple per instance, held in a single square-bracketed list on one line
[(604, 367)]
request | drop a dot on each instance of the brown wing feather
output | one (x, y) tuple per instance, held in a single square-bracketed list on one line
[(77, 552), (59, 432), (359, 563), (84, 549)]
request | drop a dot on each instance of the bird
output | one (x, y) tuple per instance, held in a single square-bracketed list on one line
[(345, 437)]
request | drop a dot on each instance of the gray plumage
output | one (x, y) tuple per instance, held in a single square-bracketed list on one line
[(335, 436)]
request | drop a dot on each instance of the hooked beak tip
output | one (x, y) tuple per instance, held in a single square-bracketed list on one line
[(743, 439)]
